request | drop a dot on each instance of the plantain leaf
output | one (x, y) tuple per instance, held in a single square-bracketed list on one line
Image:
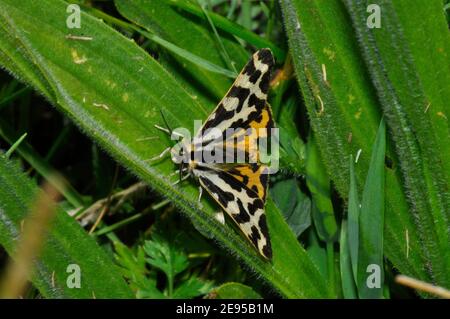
[(344, 112), (406, 57), (114, 92)]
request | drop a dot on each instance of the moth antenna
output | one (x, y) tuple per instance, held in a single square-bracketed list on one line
[(165, 122)]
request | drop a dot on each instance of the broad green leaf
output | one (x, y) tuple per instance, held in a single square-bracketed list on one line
[(114, 91), (66, 244), (371, 222), (344, 113), (234, 290), (406, 57)]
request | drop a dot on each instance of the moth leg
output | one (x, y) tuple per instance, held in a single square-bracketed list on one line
[(178, 171), (200, 193), (163, 153), (165, 130), (220, 217), (182, 179)]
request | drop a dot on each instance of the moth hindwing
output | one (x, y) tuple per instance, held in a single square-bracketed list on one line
[(240, 187)]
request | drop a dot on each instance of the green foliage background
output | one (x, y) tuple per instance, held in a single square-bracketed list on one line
[(337, 80)]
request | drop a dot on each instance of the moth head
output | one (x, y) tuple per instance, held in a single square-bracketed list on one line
[(180, 153)]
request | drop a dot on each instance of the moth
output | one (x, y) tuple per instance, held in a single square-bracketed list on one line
[(238, 187)]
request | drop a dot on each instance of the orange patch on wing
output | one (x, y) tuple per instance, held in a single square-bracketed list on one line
[(246, 141), (252, 178)]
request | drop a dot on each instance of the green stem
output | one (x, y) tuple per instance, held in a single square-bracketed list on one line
[(122, 223)]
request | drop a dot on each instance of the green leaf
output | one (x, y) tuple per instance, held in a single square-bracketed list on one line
[(345, 117), (193, 287), (371, 222), (67, 243), (406, 58), (234, 290), (114, 91), (160, 18), (232, 28), (133, 267), (167, 257), (292, 149), (352, 223), (317, 251), (295, 206)]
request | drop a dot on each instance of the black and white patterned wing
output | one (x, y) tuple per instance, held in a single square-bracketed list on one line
[(241, 194), (246, 101)]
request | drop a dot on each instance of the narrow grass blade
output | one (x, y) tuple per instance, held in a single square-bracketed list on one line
[(232, 28), (345, 261), (15, 145), (371, 224), (353, 221), (167, 45), (38, 163), (223, 50)]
